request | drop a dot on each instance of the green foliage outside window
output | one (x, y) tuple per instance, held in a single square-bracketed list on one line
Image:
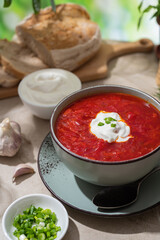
[(117, 18)]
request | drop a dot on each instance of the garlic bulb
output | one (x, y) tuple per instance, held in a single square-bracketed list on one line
[(10, 138)]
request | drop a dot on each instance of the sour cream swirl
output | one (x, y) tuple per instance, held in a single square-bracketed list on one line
[(110, 127)]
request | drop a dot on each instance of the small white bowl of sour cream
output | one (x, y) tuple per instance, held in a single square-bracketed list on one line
[(42, 90)]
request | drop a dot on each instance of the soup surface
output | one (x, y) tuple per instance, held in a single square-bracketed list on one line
[(109, 127)]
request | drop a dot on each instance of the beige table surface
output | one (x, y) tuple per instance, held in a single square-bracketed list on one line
[(136, 70)]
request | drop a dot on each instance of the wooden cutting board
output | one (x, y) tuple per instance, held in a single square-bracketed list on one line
[(97, 67)]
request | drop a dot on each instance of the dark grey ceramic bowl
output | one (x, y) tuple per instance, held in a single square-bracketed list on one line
[(98, 172)]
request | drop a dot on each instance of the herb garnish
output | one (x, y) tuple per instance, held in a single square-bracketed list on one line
[(108, 120), (100, 124), (36, 223)]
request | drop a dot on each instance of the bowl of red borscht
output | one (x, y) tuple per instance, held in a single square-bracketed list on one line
[(107, 135)]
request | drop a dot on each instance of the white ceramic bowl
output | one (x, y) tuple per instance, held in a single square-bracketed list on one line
[(99, 172), (43, 108), (38, 200)]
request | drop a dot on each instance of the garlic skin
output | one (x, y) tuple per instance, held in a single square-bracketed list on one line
[(10, 138), (22, 169)]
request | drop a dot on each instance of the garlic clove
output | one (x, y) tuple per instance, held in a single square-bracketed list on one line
[(22, 169), (10, 138)]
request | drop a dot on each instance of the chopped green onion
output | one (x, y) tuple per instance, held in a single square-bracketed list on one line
[(107, 122), (100, 124), (113, 124), (41, 236), (110, 119), (36, 224), (114, 119)]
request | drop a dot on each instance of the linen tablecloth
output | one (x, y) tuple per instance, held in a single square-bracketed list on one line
[(134, 70)]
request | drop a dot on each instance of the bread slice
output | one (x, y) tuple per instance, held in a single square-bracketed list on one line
[(7, 80), (65, 39), (18, 60)]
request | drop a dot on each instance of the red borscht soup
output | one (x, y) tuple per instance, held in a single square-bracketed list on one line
[(109, 127)]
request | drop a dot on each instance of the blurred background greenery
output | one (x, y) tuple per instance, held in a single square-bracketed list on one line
[(116, 18)]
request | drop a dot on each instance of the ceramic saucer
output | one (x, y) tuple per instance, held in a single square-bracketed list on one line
[(78, 194)]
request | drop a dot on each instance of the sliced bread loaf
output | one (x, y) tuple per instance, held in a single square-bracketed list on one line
[(18, 60), (65, 39)]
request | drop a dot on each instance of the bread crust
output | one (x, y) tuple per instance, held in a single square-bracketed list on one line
[(70, 29)]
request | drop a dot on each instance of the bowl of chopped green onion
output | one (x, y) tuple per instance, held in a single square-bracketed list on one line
[(35, 217)]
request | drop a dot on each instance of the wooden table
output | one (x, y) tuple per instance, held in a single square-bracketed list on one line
[(140, 73)]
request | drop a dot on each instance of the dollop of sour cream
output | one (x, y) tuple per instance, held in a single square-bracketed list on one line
[(49, 86), (110, 127)]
